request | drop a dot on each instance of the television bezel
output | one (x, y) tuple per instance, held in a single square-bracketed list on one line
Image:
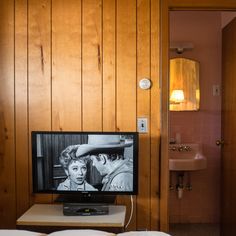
[(85, 193)]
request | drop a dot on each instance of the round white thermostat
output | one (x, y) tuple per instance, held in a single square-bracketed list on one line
[(145, 83)]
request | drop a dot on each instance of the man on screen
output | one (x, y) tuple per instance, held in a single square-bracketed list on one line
[(107, 155)]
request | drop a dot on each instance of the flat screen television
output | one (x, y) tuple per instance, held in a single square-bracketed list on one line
[(85, 162)]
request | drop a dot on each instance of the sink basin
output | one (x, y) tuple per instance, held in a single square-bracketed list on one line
[(186, 157)]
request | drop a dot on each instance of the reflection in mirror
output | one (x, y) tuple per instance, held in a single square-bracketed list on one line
[(184, 85)]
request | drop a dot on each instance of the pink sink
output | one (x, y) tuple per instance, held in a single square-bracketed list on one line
[(186, 157)]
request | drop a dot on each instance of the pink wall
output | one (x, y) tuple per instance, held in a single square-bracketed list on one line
[(203, 29)]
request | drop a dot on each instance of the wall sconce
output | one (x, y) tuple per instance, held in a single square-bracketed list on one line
[(177, 96)]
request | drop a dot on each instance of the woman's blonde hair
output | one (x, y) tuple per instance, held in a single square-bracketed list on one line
[(69, 154)]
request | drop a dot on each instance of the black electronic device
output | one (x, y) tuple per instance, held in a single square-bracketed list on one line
[(51, 171), (79, 209)]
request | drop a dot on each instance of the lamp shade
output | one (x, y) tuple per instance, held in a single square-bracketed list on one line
[(177, 96)]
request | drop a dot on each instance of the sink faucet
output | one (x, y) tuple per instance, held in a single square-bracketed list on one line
[(187, 148), (184, 148), (173, 148), (180, 148)]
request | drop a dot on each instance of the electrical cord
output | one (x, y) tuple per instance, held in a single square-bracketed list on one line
[(131, 211)]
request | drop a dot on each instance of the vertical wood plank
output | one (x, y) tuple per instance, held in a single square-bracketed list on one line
[(7, 145), (143, 110), (126, 79), (21, 115), (91, 65), (66, 65), (155, 116), (109, 62), (126, 65), (39, 71)]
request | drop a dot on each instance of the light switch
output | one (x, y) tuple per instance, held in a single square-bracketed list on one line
[(216, 90), (142, 125)]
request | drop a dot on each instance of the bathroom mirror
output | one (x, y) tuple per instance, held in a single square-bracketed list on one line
[(184, 85)]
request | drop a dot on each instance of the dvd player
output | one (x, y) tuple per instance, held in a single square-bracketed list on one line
[(84, 209)]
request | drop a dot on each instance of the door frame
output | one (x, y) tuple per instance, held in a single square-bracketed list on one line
[(165, 7)]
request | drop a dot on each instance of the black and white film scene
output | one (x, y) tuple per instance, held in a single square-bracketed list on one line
[(84, 162)]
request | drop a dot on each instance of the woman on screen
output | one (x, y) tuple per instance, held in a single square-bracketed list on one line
[(75, 169)]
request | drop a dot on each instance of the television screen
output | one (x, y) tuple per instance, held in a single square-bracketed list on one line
[(85, 162)]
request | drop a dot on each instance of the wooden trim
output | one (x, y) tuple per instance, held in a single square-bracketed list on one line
[(155, 115), (164, 195), (202, 4)]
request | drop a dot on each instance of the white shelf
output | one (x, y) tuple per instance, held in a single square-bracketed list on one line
[(52, 215)]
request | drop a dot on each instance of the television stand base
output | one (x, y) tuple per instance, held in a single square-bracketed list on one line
[(85, 209), (86, 199)]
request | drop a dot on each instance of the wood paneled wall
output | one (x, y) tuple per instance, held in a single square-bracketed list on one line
[(75, 65)]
